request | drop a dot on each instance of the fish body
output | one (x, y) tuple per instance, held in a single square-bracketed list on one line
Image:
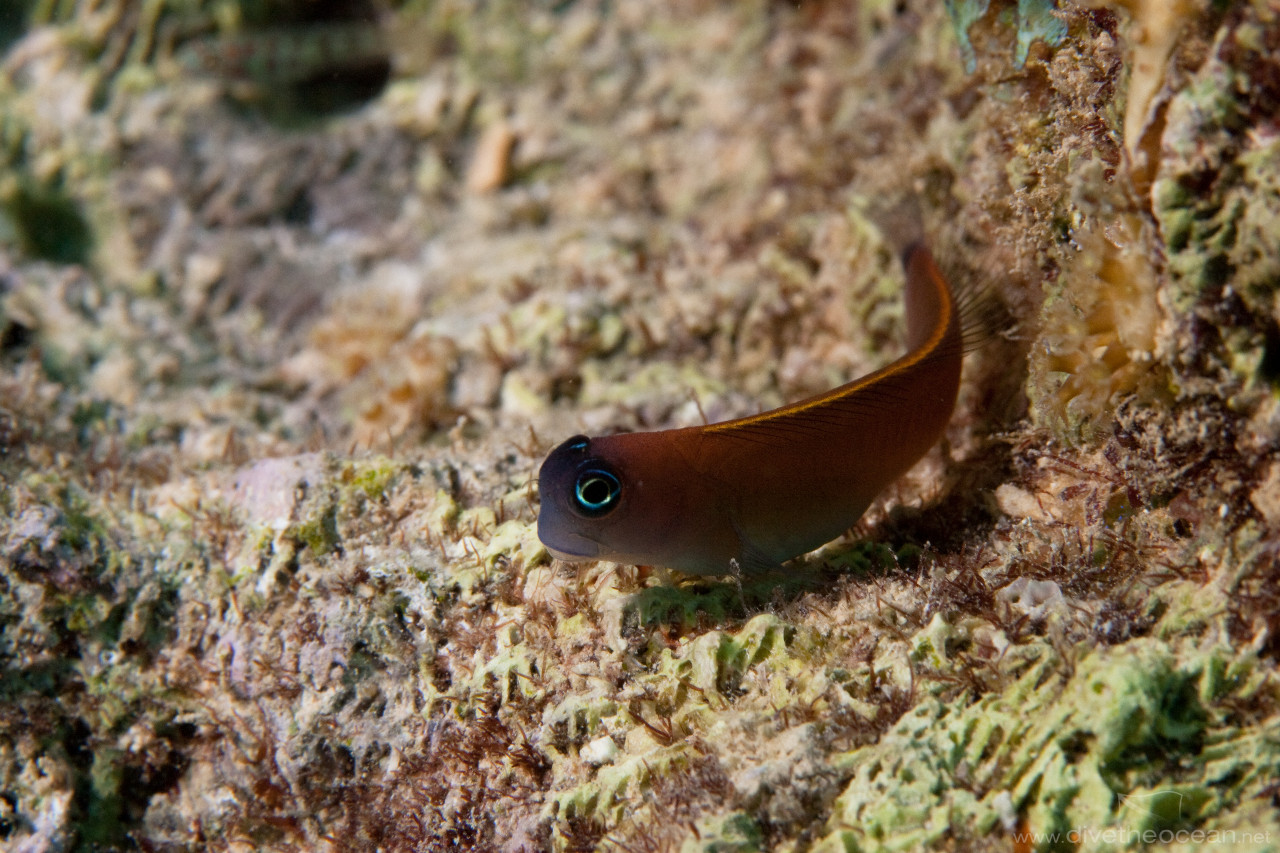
[(748, 494)]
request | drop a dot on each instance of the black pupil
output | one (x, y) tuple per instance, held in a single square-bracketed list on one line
[(595, 491)]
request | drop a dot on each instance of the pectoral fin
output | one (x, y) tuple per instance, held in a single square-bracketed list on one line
[(753, 561)]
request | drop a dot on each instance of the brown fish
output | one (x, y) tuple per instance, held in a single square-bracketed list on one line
[(747, 494)]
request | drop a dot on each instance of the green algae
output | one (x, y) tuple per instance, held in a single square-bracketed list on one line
[(735, 832), (867, 558), (46, 224), (1067, 753), (1034, 20), (963, 16), (1037, 20), (320, 531), (683, 607), (373, 477), (1219, 236), (582, 715)]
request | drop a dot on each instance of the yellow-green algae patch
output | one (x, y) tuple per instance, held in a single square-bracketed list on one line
[(674, 712), (1136, 738), (1215, 198)]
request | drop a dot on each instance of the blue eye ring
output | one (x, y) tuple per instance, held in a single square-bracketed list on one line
[(596, 492)]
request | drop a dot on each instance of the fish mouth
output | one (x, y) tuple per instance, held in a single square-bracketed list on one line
[(569, 557), (571, 547)]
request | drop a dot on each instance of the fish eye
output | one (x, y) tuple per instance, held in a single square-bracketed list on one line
[(596, 492)]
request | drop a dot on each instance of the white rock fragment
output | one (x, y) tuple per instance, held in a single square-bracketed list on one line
[(1004, 808), (602, 750), (1035, 598), (1266, 497), (1018, 503)]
